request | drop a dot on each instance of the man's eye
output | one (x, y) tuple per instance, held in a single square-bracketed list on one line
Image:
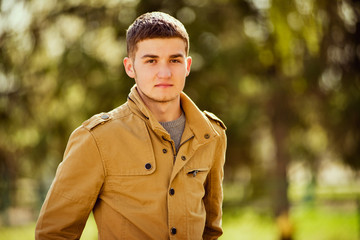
[(151, 61), (174, 61)]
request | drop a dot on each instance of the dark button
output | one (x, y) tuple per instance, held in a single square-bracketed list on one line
[(173, 231), (164, 150), (104, 116), (148, 166), (183, 158), (171, 191), (207, 136)]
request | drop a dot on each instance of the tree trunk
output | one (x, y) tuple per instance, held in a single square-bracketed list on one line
[(280, 183), (280, 115)]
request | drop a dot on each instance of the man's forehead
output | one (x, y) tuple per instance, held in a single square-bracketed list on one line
[(161, 46)]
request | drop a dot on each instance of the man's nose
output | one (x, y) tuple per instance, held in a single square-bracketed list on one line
[(164, 71)]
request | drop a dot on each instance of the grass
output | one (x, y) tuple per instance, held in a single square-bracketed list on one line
[(246, 224), (319, 222), (25, 232), (326, 223), (310, 223)]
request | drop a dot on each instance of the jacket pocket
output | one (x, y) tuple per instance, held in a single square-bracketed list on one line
[(195, 172), (196, 177), (195, 184), (126, 183), (126, 148), (127, 193)]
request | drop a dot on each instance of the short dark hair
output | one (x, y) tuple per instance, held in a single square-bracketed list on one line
[(154, 25)]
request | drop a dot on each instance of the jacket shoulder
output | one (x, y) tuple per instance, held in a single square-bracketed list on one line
[(96, 120), (214, 118), (105, 117)]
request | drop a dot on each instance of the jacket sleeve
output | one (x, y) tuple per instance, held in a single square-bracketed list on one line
[(74, 190), (214, 193)]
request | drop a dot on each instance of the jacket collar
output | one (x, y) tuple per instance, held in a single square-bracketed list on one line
[(199, 125)]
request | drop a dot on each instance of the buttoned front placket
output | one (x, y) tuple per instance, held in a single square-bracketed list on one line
[(172, 196), (177, 209)]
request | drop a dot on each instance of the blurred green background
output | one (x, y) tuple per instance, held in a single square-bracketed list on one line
[(283, 75)]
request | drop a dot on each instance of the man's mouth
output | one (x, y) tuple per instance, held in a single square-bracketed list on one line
[(163, 85)]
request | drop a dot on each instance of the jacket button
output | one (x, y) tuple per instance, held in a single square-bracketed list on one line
[(148, 166), (104, 116), (173, 231), (172, 191), (207, 136), (183, 158), (164, 150)]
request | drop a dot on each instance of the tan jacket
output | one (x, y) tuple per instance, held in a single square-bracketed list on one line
[(121, 165)]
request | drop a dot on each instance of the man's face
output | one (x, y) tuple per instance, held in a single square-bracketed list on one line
[(159, 67)]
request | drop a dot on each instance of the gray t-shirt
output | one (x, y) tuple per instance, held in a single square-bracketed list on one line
[(175, 129)]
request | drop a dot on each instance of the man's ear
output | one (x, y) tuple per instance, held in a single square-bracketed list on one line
[(129, 67), (188, 65)]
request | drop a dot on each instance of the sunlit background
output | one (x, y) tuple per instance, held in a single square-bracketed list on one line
[(284, 75)]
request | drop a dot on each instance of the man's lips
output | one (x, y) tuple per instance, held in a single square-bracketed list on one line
[(163, 85)]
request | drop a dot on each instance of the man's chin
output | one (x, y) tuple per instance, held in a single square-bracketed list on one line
[(159, 97), (165, 99)]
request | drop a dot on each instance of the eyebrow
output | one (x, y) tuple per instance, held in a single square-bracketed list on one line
[(150, 56), (178, 55)]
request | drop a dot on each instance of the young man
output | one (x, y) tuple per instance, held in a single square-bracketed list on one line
[(151, 168)]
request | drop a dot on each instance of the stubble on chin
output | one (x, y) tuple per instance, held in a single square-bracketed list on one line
[(159, 99)]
